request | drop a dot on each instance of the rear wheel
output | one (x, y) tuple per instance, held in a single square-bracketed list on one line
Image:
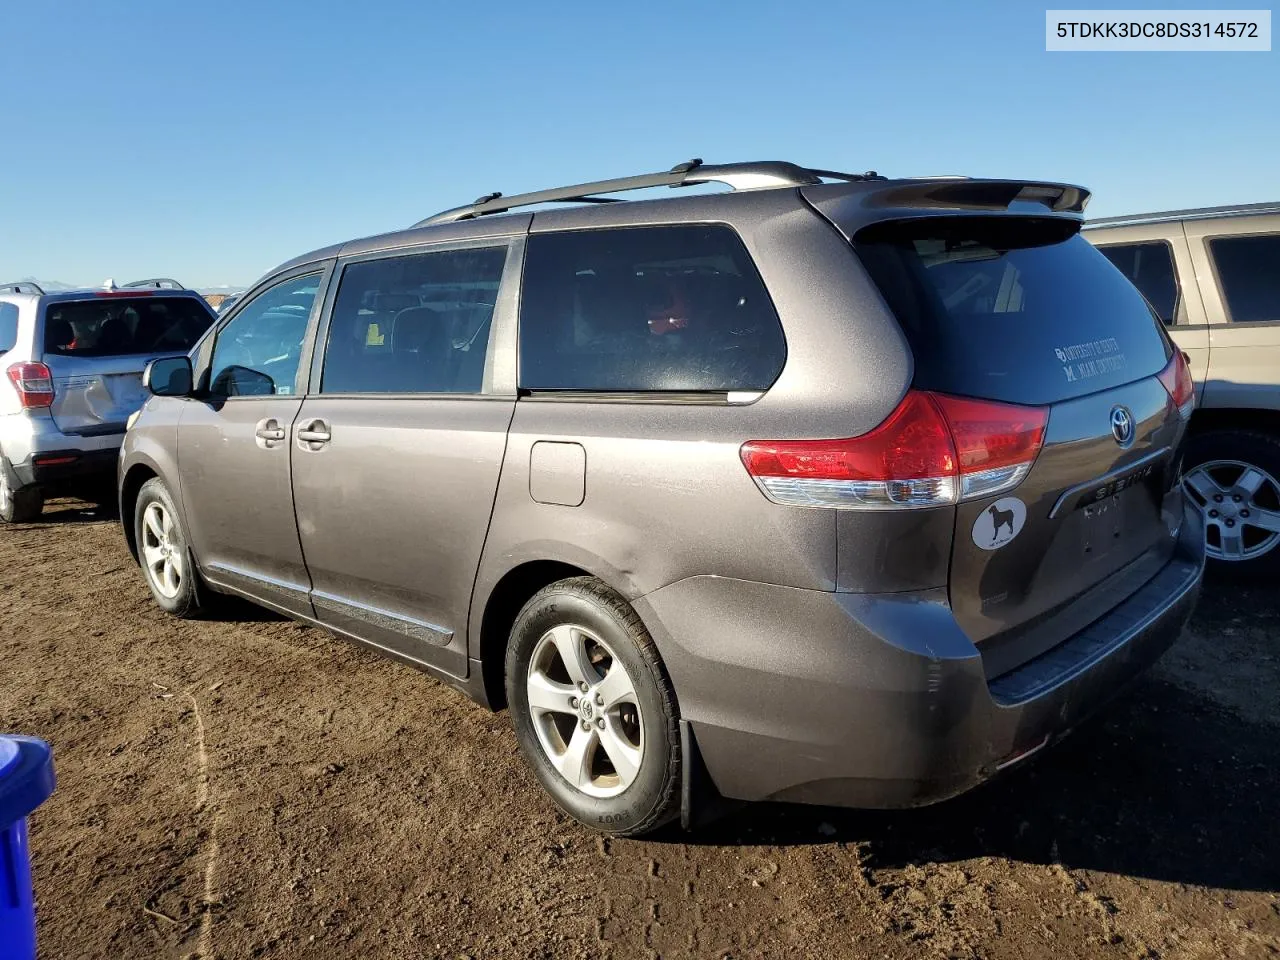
[(1233, 476), (593, 709), (167, 561), (18, 504)]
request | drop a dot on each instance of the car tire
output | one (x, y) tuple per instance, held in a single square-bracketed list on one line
[(1220, 466), (168, 565), (18, 504), (620, 744)]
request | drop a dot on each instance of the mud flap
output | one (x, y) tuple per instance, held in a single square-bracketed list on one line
[(700, 801)]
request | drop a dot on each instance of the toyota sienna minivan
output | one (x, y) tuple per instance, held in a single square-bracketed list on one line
[(827, 488)]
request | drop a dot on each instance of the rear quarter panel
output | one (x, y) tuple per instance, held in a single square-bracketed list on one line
[(666, 495), (22, 350)]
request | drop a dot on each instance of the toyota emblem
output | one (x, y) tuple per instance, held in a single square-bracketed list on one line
[(1122, 425)]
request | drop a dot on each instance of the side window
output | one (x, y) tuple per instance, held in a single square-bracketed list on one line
[(8, 327), (1249, 271), (257, 353), (413, 324), (676, 308), (1149, 266)]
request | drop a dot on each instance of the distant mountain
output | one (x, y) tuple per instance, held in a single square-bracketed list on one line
[(57, 286), (52, 286)]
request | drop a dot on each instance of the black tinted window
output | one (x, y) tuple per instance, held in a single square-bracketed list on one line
[(257, 352), (1149, 266), (676, 308), (113, 325), (1020, 310), (1249, 271), (8, 327), (413, 324)]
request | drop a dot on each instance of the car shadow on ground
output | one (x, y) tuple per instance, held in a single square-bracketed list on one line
[(229, 609), (1165, 784), (68, 511)]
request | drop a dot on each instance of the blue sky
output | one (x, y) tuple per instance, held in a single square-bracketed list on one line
[(210, 141)]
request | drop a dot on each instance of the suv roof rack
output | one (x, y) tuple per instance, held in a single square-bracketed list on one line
[(22, 286), (738, 176), (160, 283)]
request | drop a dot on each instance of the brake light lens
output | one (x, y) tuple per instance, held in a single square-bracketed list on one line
[(34, 384), (931, 451), (1176, 377), (996, 442)]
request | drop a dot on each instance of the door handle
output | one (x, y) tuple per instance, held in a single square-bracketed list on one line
[(314, 433), (269, 430)]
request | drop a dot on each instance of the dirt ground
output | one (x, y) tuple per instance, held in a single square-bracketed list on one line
[(255, 788)]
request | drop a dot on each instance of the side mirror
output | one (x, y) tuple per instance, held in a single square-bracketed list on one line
[(168, 377), (237, 381)]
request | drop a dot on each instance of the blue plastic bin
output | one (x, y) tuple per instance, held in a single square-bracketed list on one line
[(26, 780)]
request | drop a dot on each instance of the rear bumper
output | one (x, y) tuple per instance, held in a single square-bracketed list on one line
[(41, 455), (58, 468), (882, 701)]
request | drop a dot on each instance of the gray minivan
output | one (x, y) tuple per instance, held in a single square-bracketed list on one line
[(832, 488)]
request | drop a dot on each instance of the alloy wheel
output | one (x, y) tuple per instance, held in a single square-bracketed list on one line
[(161, 554), (1241, 506), (585, 711)]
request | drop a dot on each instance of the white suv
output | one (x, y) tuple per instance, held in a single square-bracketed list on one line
[(72, 364)]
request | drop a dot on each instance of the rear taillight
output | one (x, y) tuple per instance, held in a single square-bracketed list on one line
[(34, 384), (932, 450), (1176, 377), (996, 442)]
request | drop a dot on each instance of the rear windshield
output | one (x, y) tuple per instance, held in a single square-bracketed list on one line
[(1021, 310), (119, 326)]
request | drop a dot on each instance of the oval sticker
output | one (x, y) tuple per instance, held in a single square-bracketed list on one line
[(999, 523)]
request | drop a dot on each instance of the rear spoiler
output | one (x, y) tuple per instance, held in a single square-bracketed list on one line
[(854, 206)]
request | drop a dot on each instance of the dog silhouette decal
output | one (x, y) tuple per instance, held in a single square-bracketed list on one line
[(1000, 518), (999, 523)]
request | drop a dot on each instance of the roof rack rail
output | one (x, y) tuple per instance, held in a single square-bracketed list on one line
[(738, 176), (1194, 213), (22, 286), (160, 283)]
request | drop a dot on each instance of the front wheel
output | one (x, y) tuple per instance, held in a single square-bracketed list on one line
[(593, 709), (1233, 476), (167, 561)]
